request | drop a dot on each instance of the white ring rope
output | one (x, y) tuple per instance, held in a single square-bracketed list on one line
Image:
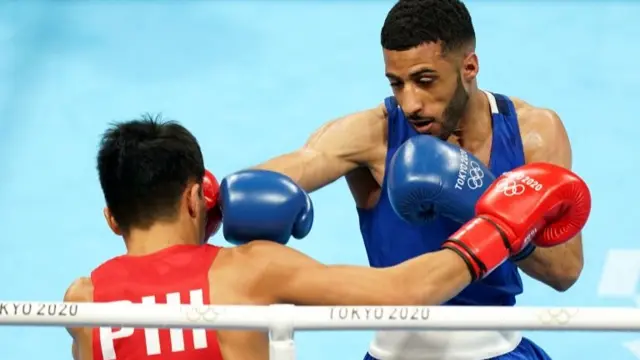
[(284, 319)]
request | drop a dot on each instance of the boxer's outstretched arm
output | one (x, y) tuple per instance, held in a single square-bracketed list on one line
[(288, 276), (545, 140), (335, 149)]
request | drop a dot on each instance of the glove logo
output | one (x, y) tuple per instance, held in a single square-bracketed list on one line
[(510, 188), (475, 176)]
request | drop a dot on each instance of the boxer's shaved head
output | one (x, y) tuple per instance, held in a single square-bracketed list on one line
[(144, 167), (411, 23)]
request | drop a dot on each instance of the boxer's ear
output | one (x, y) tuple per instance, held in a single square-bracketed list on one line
[(194, 199), (111, 221), (470, 67)]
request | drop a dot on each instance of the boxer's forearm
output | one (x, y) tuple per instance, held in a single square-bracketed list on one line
[(294, 278), (433, 278), (336, 148), (310, 169), (559, 266)]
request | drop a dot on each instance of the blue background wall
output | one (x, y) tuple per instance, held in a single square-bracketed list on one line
[(252, 80)]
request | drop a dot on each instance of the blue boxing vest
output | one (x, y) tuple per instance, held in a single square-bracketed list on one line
[(389, 240)]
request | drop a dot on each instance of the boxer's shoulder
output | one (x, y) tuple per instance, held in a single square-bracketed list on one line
[(357, 137), (250, 259), (372, 121), (543, 133), (80, 290), (251, 273), (530, 116), (235, 275)]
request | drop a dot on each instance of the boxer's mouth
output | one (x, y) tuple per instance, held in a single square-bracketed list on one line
[(421, 122), (421, 126)]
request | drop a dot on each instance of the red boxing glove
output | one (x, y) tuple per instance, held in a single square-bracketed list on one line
[(539, 202), (211, 190)]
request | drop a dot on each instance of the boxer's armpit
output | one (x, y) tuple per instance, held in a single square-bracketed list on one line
[(333, 150)]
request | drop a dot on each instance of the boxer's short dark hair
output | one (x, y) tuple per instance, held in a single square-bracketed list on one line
[(144, 166), (411, 23)]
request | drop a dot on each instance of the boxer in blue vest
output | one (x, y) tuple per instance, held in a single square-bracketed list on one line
[(432, 67)]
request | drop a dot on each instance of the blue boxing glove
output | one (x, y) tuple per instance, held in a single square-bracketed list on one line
[(263, 205), (429, 177)]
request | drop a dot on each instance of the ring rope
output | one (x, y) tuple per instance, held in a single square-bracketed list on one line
[(290, 317)]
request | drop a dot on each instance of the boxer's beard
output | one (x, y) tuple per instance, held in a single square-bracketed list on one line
[(453, 112)]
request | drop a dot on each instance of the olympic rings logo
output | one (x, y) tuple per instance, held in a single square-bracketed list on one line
[(201, 313), (475, 176), (510, 188), (557, 316)]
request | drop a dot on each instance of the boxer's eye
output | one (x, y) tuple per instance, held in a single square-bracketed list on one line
[(426, 80)]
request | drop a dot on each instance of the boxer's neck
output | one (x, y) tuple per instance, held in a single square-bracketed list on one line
[(140, 242), (475, 124)]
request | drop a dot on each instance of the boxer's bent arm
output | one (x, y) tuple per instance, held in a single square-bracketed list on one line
[(292, 277), (335, 149), (545, 140)]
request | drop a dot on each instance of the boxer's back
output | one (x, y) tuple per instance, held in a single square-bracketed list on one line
[(178, 274)]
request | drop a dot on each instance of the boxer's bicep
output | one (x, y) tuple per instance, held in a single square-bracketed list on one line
[(333, 150), (545, 139)]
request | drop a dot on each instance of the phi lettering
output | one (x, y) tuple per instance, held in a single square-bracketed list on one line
[(152, 336)]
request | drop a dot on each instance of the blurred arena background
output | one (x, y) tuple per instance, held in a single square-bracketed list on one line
[(253, 79)]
